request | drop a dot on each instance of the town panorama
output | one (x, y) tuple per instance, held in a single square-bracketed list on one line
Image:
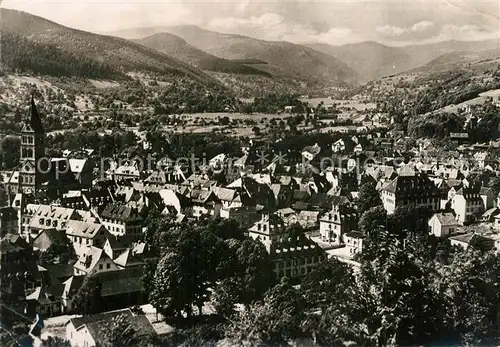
[(249, 173)]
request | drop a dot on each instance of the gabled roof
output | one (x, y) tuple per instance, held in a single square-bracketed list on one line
[(355, 234), (46, 294), (55, 236), (470, 193), (127, 258), (225, 194), (201, 196), (446, 219), (84, 229), (475, 240), (90, 258), (77, 165), (140, 325), (100, 317), (121, 212), (115, 244), (418, 185), (72, 285), (301, 195), (56, 212), (486, 191)]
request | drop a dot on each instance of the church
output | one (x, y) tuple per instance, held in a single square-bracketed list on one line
[(38, 178)]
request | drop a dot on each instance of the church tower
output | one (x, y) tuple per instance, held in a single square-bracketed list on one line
[(32, 168)]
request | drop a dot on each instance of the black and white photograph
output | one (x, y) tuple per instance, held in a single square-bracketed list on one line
[(254, 173)]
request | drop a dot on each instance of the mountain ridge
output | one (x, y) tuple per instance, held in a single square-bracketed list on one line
[(375, 60), (121, 54), (179, 48), (283, 59)]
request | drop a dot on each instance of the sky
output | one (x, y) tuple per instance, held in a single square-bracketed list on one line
[(334, 22)]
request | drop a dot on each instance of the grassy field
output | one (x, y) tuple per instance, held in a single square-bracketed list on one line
[(494, 93), (240, 116), (356, 104)]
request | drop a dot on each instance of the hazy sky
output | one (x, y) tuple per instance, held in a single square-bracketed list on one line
[(334, 21)]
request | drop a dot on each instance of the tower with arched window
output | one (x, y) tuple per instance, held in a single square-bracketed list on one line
[(32, 159)]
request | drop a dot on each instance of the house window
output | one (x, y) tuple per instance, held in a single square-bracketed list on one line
[(100, 266), (108, 266)]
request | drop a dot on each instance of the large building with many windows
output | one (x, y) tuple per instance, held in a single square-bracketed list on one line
[(293, 256), (415, 190)]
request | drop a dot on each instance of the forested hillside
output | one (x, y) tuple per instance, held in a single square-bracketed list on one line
[(22, 55)]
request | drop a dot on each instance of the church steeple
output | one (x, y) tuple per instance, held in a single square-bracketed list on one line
[(32, 151), (33, 121)]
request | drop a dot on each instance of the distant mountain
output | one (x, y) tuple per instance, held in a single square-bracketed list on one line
[(282, 59), (178, 48), (451, 59), (423, 54), (371, 60), (116, 53)]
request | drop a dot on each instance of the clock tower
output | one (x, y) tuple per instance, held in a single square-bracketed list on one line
[(32, 166)]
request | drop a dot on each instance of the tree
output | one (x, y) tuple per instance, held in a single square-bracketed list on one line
[(195, 260), (372, 219), (88, 299), (255, 270), (226, 228), (274, 320), (400, 305), (57, 253), (327, 284), (472, 281), (225, 297), (369, 197), (55, 341), (173, 290), (120, 332), (409, 220), (9, 151)]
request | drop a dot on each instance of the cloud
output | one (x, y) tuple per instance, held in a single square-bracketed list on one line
[(393, 31), (273, 26), (335, 22), (390, 30), (422, 26), (467, 33)]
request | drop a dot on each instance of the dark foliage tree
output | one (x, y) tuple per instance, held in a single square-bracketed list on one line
[(328, 284), (58, 253), (120, 332), (88, 299), (55, 341), (373, 219), (369, 197), (255, 269), (270, 322), (9, 152)]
